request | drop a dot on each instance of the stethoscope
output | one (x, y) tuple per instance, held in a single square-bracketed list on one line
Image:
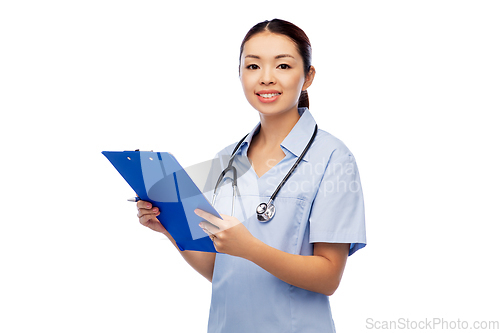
[(265, 211)]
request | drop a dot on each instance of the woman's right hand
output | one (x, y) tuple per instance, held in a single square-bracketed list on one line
[(147, 216)]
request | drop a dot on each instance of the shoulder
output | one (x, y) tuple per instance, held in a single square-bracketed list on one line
[(224, 155), (228, 150), (331, 147)]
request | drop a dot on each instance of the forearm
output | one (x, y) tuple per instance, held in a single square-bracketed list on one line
[(202, 262), (314, 273)]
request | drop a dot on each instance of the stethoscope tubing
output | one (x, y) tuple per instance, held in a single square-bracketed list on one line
[(273, 196), (265, 212)]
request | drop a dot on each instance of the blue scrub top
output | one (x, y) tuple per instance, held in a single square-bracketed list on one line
[(321, 202)]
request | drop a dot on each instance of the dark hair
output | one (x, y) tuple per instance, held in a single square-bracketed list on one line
[(297, 36)]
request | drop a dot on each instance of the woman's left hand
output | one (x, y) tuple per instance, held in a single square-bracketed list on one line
[(229, 235)]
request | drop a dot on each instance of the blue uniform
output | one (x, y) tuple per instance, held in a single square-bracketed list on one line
[(321, 202)]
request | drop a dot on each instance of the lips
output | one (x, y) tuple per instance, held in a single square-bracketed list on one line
[(268, 96), (268, 92)]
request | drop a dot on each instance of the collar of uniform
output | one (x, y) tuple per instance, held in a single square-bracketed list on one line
[(295, 141), (243, 148), (246, 143), (301, 133)]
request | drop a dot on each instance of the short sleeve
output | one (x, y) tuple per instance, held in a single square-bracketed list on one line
[(337, 212)]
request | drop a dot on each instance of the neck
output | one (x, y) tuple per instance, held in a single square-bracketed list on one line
[(275, 128)]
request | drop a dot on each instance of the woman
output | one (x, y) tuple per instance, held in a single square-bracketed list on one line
[(276, 276)]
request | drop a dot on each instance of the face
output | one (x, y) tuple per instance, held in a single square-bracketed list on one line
[(272, 73)]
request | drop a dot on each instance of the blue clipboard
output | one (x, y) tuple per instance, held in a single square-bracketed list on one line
[(157, 177)]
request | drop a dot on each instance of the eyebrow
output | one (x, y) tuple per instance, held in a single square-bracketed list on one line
[(279, 56)]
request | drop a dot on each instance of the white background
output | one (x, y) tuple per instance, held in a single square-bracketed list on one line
[(411, 87)]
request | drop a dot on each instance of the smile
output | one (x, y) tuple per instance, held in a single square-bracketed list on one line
[(269, 95)]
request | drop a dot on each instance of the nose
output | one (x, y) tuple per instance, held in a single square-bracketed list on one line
[(267, 77)]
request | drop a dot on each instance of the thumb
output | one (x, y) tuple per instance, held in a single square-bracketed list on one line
[(155, 225)]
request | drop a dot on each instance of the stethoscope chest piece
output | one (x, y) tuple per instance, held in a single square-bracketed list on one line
[(265, 212)]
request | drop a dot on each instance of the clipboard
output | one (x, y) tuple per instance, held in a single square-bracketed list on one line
[(158, 178)]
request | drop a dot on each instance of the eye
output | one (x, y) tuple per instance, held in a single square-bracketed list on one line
[(252, 66), (284, 66)]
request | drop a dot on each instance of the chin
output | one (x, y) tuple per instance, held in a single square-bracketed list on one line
[(275, 110)]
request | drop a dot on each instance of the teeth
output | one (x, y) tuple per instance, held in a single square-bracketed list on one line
[(268, 95)]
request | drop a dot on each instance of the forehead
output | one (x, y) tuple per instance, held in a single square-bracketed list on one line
[(267, 44)]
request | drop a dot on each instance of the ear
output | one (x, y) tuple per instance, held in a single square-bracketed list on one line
[(309, 78)]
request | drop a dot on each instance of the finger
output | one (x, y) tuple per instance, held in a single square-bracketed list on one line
[(209, 228), (208, 217), (148, 219), (154, 211), (144, 204), (225, 216), (209, 234)]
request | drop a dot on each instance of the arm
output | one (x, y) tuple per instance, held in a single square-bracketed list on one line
[(202, 262), (320, 272)]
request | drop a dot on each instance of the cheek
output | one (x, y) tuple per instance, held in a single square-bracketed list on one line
[(293, 83), (247, 85)]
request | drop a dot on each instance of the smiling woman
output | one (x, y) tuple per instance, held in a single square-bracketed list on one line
[(263, 66), (275, 269), (293, 33)]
